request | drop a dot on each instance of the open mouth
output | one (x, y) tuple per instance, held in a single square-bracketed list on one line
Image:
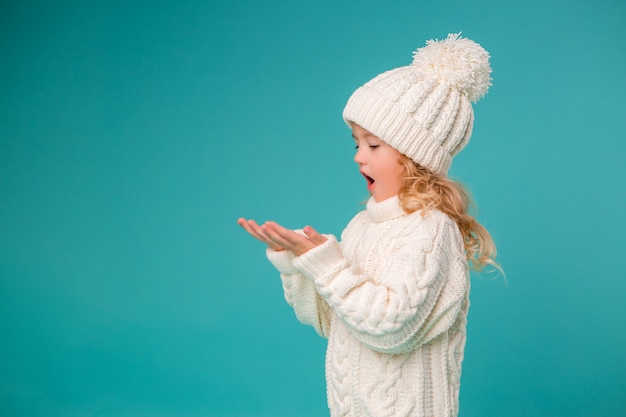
[(370, 181)]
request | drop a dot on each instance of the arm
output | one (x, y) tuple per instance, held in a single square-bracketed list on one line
[(417, 294), (300, 293)]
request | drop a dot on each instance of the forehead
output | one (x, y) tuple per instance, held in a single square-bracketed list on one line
[(359, 133)]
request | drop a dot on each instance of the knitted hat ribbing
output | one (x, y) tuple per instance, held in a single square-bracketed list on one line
[(424, 109)]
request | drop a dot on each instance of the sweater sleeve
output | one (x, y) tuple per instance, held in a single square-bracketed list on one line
[(300, 293), (420, 290)]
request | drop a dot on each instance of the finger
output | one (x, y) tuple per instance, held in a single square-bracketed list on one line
[(281, 230), (285, 234), (265, 238), (276, 237), (295, 242), (244, 224), (255, 231), (248, 226), (315, 237)]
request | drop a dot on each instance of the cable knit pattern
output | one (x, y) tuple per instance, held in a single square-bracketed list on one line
[(424, 109), (301, 294), (392, 297)]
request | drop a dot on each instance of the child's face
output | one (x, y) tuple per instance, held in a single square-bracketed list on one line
[(379, 164)]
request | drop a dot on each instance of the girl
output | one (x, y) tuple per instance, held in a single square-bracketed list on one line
[(392, 296)]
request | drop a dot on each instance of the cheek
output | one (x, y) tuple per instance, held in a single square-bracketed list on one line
[(394, 163), (394, 168), (400, 174)]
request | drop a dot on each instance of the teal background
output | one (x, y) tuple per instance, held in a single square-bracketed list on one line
[(134, 134)]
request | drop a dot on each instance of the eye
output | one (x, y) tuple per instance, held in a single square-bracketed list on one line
[(374, 146)]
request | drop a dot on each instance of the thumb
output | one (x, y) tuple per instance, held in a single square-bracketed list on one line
[(315, 237)]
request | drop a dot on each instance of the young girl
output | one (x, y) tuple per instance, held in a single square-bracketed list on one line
[(392, 296)]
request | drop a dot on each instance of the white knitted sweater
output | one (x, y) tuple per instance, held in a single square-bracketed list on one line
[(392, 299)]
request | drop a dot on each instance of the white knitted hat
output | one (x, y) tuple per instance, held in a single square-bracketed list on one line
[(424, 109)]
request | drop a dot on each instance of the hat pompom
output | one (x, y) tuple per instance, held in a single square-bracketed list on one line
[(459, 62)]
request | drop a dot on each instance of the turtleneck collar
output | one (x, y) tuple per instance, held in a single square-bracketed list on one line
[(385, 210)]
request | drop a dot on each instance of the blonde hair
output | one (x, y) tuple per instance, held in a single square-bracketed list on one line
[(424, 190)]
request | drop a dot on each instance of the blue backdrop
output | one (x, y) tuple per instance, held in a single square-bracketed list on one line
[(134, 134)]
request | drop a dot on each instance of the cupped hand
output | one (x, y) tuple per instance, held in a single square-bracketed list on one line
[(280, 238), (291, 240), (257, 232)]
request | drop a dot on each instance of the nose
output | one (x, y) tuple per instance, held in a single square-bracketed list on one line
[(359, 156)]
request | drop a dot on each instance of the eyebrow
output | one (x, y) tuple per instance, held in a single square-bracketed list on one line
[(367, 135)]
